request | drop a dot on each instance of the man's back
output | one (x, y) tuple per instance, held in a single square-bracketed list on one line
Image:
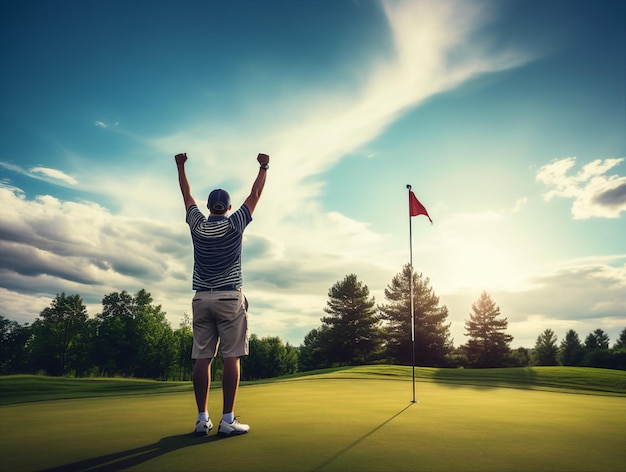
[(217, 243)]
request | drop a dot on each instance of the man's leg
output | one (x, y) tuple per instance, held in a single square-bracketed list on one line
[(230, 383), (234, 337), (229, 426), (202, 383)]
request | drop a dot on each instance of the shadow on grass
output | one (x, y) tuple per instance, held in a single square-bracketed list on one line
[(355, 443), (487, 378), (132, 457)]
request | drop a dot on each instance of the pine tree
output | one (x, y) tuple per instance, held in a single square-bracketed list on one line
[(597, 340), (432, 333), (546, 350), (353, 334), (488, 345), (571, 351), (620, 344)]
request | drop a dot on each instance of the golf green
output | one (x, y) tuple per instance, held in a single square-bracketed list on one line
[(325, 424)]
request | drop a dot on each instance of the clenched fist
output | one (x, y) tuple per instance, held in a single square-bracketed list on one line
[(180, 158), (263, 159)]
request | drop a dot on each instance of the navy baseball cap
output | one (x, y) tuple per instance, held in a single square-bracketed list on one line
[(219, 201)]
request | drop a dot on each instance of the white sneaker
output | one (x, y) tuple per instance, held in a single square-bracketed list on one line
[(203, 427), (232, 429)]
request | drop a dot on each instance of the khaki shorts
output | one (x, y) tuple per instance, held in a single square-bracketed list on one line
[(219, 317)]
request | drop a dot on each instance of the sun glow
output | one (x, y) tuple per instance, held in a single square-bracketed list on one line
[(480, 252)]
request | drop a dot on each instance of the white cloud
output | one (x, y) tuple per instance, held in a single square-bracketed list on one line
[(22, 307), (47, 174), (48, 246), (54, 175), (582, 295), (12, 167), (595, 194)]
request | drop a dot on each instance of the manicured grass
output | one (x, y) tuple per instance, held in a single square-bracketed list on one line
[(358, 419), (32, 388), (573, 379)]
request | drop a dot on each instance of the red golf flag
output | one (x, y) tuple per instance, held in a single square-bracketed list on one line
[(415, 207)]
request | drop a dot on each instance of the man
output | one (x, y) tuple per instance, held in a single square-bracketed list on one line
[(219, 307)]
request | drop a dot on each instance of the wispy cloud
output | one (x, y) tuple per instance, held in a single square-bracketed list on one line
[(47, 174), (102, 124), (53, 175), (434, 50), (595, 194)]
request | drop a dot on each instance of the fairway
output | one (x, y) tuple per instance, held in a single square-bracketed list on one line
[(325, 424)]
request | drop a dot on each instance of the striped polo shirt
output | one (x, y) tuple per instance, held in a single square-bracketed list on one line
[(217, 243)]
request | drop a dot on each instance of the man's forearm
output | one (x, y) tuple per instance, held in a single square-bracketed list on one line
[(185, 188), (259, 183), (257, 190)]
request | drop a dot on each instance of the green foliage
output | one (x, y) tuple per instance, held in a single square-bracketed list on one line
[(313, 353), (488, 345), (353, 334), (594, 353), (61, 337), (134, 338), (571, 352), (620, 344), (183, 342), (432, 333), (520, 357), (268, 357), (131, 337), (156, 341), (597, 340), (546, 349), (14, 351), (115, 349), (605, 358)]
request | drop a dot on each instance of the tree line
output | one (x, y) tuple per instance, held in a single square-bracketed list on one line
[(131, 337), (358, 331)]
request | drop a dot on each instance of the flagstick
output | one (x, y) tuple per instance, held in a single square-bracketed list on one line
[(411, 284)]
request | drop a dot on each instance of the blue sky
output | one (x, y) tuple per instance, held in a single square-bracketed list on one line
[(506, 117)]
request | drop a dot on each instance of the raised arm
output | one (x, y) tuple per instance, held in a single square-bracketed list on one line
[(259, 183), (185, 188)]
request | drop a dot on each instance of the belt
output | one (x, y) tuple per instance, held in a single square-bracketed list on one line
[(223, 288)]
